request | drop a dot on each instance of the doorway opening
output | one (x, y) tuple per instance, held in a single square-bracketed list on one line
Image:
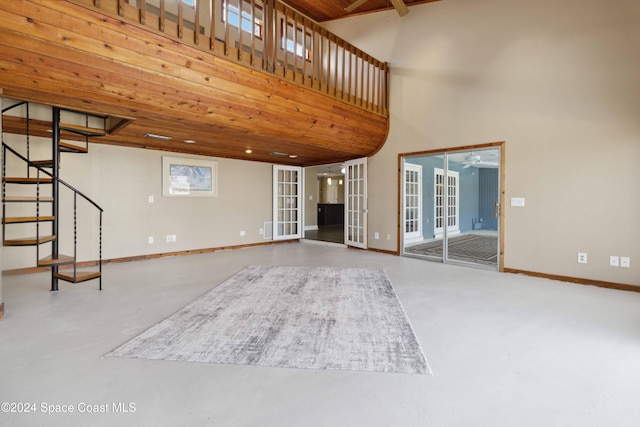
[(450, 205), (336, 203), (324, 203)]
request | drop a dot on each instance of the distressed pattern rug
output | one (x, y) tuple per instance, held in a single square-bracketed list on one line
[(294, 317)]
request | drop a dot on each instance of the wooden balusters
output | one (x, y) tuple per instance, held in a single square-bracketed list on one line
[(254, 27), (240, 31), (226, 27), (143, 12), (180, 19), (196, 25), (162, 15), (282, 37)]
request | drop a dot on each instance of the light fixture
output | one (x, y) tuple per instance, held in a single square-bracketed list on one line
[(154, 136), (340, 182), (248, 151), (342, 170), (293, 156), (329, 180), (189, 141), (277, 154)]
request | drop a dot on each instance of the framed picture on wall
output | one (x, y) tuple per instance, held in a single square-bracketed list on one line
[(182, 177)]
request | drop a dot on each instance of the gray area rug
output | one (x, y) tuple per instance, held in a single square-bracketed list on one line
[(468, 247), (294, 317)]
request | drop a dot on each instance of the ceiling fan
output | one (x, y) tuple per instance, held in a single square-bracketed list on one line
[(401, 8), (475, 160)]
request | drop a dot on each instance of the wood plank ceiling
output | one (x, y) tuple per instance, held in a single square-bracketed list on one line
[(57, 53), (322, 11)]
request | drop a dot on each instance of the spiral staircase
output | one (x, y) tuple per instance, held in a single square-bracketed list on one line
[(32, 191)]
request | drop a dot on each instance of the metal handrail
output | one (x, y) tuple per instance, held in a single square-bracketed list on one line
[(7, 148), (60, 180)]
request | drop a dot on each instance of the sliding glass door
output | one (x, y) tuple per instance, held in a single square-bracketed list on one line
[(458, 209)]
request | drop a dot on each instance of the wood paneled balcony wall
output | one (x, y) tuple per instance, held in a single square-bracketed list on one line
[(233, 75)]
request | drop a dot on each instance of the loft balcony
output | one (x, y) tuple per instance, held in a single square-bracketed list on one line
[(215, 77)]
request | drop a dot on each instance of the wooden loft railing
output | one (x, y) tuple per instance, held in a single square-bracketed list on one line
[(253, 33)]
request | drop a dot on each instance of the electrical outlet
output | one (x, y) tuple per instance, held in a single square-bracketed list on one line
[(150, 240), (614, 261), (151, 200), (168, 238), (376, 235), (582, 257), (261, 231), (242, 233), (388, 236), (625, 261), (174, 237)]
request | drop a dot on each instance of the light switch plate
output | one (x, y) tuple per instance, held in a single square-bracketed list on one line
[(517, 201)]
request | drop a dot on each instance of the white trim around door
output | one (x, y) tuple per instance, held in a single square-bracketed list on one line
[(287, 202), (412, 209), (355, 206)]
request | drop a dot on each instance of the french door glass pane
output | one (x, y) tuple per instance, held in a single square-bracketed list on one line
[(459, 194)]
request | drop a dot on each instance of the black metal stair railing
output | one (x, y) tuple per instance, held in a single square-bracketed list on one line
[(76, 193)]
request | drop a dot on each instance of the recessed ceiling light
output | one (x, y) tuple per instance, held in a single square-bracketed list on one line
[(248, 151), (293, 156), (189, 141), (277, 154), (154, 136)]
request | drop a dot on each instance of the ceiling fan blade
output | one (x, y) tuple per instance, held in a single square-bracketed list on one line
[(401, 8), (356, 4)]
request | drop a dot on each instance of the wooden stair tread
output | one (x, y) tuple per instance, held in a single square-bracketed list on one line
[(42, 163), (80, 276), (29, 241), (23, 219), (24, 180), (27, 199), (56, 260), (65, 146), (83, 130)]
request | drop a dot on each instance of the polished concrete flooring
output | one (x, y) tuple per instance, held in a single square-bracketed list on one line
[(505, 350)]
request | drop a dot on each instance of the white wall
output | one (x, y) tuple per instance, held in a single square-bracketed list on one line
[(121, 180), (558, 81)]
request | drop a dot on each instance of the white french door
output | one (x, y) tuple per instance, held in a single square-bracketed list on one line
[(287, 202), (412, 203), (450, 217), (355, 230)]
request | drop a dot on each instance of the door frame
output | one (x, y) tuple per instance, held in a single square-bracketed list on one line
[(416, 235), (362, 209), (501, 210), (451, 230), (298, 197)]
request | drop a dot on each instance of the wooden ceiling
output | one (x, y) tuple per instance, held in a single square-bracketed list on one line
[(60, 54), (334, 9)]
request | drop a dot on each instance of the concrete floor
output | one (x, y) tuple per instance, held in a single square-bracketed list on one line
[(505, 350)]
